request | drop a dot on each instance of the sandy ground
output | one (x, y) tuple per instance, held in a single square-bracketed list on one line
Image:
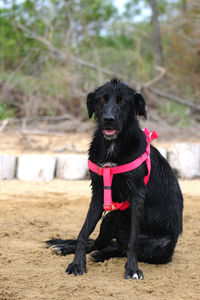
[(32, 212)]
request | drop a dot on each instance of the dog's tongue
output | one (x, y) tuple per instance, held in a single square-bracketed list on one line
[(109, 131)]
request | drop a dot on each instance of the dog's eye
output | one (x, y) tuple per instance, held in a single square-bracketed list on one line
[(102, 100), (120, 100)]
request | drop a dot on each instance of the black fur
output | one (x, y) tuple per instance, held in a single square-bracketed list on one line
[(149, 229)]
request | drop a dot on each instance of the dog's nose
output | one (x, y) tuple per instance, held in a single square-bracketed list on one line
[(108, 118)]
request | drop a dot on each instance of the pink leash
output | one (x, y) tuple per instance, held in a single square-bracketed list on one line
[(108, 172)]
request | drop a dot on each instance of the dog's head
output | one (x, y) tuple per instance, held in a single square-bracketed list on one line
[(113, 104)]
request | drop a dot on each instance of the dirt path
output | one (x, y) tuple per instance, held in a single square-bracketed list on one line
[(31, 213)]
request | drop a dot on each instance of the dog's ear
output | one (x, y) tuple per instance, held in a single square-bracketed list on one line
[(140, 105), (90, 104)]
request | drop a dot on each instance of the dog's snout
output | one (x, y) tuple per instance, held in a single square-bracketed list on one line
[(108, 118)]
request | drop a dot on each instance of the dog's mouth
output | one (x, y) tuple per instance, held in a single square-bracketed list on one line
[(110, 134), (109, 131)]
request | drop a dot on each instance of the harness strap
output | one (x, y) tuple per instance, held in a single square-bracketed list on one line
[(108, 172), (149, 137), (119, 169)]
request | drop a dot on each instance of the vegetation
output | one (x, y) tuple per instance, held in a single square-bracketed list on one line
[(52, 52)]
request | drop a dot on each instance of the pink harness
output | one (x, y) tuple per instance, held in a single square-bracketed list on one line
[(108, 172)]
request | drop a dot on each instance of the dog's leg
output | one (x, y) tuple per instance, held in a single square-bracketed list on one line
[(108, 229), (112, 250), (66, 247), (78, 266), (115, 225), (155, 249), (131, 267)]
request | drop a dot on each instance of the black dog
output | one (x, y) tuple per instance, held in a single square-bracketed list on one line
[(149, 228)]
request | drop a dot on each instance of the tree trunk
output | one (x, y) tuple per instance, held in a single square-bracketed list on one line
[(184, 5), (156, 33)]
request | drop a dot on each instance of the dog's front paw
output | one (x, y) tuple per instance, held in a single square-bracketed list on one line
[(133, 274), (76, 269), (97, 256), (62, 249)]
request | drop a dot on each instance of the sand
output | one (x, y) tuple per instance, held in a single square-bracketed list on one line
[(32, 212)]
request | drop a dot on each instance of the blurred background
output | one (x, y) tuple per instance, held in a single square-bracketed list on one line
[(53, 52)]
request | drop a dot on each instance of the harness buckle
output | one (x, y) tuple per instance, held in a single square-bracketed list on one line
[(108, 207)]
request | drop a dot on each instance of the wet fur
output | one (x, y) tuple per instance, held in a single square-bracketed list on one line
[(149, 229)]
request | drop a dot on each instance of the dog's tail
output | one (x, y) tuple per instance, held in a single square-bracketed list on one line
[(65, 247)]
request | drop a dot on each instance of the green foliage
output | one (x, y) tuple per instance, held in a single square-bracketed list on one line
[(177, 113), (97, 10), (15, 44), (34, 32), (5, 111)]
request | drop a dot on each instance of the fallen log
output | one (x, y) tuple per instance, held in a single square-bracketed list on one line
[(177, 99)]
